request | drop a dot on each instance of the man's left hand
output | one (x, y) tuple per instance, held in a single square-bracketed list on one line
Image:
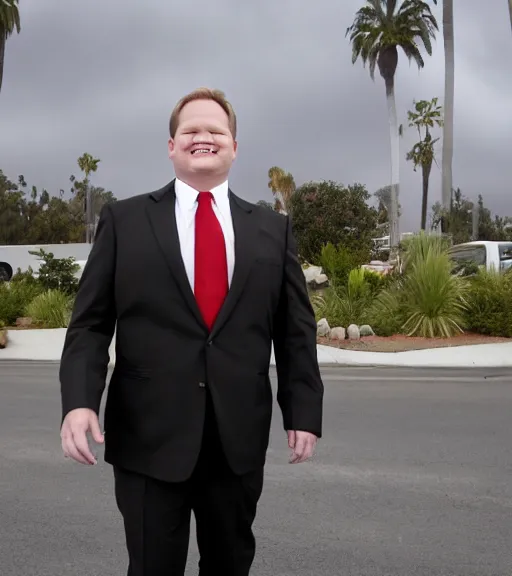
[(302, 445)]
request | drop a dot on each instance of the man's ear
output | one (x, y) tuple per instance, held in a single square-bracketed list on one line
[(171, 147)]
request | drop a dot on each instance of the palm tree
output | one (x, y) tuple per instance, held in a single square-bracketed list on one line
[(377, 32), (283, 186), (9, 22), (88, 164), (426, 115)]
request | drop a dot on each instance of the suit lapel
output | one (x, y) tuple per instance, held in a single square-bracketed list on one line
[(246, 234), (162, 216)]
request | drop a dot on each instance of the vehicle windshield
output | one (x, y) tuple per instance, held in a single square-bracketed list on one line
[(505, 251)]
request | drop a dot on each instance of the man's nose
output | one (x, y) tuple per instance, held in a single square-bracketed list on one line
[(203, 136)]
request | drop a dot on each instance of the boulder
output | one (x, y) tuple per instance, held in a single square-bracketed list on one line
[(315, 277), (320, 281), (353, 332), (338, 333), (322, 328), (366, 330), (3, 338), (311, 272)]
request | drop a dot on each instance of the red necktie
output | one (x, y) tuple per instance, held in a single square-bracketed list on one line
[(211, 269)]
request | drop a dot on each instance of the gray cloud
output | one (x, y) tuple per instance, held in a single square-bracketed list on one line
[(103, 77)]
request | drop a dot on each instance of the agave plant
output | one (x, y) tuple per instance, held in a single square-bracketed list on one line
[(416, 248), (428, 300), (434, 299)]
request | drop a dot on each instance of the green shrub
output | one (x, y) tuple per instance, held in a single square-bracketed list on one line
[(415, 248), (14, 298), (434, 299), (338, 261), (428, 300), (347, 304), (50, 309), (26, 277), (490, 304), (377, 281), (57, 273), (386, 315), (328, 211)]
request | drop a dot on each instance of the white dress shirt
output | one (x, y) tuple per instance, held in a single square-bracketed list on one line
[(186, 206)]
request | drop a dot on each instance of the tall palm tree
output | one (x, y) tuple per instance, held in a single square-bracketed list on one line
[(425, 116), (380, 27), (88, 164), (9, 22), (283, 186)]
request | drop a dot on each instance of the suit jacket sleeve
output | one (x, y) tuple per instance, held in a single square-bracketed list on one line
[(85, 356), (300, 388)]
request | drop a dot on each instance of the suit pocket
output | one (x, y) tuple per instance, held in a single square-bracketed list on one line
[(133, 372)]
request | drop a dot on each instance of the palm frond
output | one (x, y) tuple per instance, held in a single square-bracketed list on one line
[(378, 26)]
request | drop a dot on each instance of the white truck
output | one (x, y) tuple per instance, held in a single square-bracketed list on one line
[(18, 256), (486, 254)]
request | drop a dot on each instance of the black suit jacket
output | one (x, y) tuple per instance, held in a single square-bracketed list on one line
[(165, 355)]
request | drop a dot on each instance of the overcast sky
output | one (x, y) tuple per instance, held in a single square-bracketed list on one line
[(102, 77)]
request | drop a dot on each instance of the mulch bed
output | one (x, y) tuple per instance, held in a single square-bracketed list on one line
[(400, 343)]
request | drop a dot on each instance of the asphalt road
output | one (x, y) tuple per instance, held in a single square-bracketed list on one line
[(413, 478)]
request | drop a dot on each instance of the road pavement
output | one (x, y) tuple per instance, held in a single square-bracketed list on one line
[(413, 478)]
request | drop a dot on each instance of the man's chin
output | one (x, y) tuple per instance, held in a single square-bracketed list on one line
[(204, 167)]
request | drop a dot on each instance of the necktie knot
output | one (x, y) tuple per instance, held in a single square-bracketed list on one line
[(204, 197)]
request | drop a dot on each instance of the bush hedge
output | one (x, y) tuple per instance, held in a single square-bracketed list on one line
[(432, 297), (45, 297)]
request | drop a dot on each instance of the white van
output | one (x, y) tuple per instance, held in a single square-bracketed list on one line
[(491, 255)]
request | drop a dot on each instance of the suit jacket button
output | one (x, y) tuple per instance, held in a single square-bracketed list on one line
[(202, 385)]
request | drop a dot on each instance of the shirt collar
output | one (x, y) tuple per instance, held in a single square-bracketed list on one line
[(187, 196)]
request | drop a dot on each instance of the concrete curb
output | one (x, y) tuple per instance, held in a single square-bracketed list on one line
[(46, 345)]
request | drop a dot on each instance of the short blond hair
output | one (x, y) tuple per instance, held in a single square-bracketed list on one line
[(203, 94)]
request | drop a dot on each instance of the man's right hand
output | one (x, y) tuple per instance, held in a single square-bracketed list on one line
[(73, 433)]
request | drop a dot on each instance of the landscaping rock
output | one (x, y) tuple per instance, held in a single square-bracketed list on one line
[(311, 272), (353, 332), (338, 333), (323, 328), (23, 322), (320, 281), (366, 330), (3, 339), (315, 277)]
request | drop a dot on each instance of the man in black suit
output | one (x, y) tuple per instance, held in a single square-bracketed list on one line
[(198, 284)]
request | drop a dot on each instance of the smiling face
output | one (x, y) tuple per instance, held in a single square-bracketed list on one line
[(203, 148)]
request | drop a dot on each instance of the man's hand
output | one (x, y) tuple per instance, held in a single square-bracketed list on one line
[(302, 445), (75, 427)]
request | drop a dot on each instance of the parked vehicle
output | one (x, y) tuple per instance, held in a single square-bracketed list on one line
[(14, 257), (486, 254)]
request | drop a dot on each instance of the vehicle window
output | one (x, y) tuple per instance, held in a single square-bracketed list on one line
[(476, 254), (505, 252)]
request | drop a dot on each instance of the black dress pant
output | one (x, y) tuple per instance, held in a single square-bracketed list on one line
[(157, 515)]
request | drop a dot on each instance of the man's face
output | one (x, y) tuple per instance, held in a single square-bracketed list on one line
[(203, 144)]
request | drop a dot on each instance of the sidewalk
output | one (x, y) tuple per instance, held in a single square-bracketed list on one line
[(47, 345)]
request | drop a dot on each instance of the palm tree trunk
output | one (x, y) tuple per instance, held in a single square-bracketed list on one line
[(449, 85), (2, 55), (394, 233), (425, 170)]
